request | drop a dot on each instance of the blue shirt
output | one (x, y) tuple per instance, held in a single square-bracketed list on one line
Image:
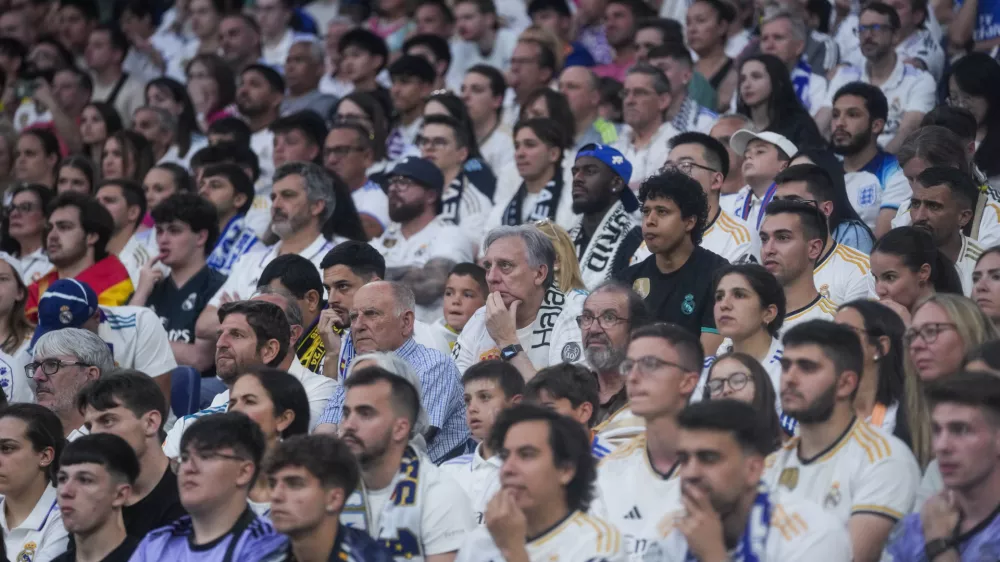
[(907, 541), (884, 166), (352, 545), (254, 537), (441, 392)]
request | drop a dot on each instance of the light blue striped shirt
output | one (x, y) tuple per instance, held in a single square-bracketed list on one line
[(441, 392)]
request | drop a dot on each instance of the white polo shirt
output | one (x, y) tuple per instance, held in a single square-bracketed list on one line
[(478, 477), (648, 160), (39, 538)]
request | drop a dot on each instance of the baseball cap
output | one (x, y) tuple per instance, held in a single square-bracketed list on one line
[(14, 264), (67, 303), (740, 139), (619, 165), (421, 171)]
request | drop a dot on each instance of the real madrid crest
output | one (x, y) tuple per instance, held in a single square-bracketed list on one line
[(832, 497), (28, 554), (389, 242), (65, 314), (641, 286), (789, 478), (824, 290)]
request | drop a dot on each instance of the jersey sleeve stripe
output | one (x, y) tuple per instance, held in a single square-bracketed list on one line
[(882, 445), (598, 538), (877, 510), (866, 445)]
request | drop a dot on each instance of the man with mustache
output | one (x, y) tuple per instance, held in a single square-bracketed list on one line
[(863, 476), (261, 89), (943, 202)]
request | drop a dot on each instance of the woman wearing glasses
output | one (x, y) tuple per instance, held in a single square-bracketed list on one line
[(22, 233), (737, 376), (944, 328), (908, 268)]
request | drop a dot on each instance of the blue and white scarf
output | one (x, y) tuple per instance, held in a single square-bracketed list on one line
[(801, 76), (754, 540), (233, 242)]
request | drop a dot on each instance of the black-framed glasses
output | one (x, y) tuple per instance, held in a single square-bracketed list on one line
[(686, 167), (427, 142), (736, 382), (208, 456), (928, 332), (605, 320), (812, 202), (647, 365), (50, 367)]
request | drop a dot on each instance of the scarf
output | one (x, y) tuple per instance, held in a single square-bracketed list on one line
[(754, 539), (801, 75), (232, 243), (684, 121), (451, 199), (598, 258), (545, 206), (346, 355)]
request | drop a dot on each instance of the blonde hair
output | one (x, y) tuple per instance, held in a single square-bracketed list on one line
[(567, 267), (536, 34), (974, 328)]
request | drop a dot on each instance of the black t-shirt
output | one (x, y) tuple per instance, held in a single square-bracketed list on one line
[(178, 308), (120, 554), (683, 297), (160, 508)]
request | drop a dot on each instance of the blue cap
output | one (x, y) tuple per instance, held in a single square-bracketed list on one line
[(421, 171), (67, 303), (618, 164)]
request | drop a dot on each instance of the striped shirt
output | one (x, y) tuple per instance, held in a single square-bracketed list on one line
[(441, 393)]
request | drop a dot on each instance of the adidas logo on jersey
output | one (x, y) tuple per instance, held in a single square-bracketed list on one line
[(633, 513)]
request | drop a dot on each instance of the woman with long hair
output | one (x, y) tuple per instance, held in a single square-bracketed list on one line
[(164, 180), (944, 329), (766, 95), (98, 121), (738, 376), (76, 173), (32, 438), (973, 84), (846, 227), (345, 220), (277, 402), (127, 154), (171, 95), (22, 233), (986, 283), (566, 271), (15, 330), (908, 268), (211, 86)]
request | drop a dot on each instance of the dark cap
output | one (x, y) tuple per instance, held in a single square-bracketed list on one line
[(67, 303), (421, 171)]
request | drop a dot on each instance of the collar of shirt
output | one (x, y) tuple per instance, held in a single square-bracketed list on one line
[(39, 515), (665, 131), (895, 78), (409, 347), (478, 462), (308, 253)]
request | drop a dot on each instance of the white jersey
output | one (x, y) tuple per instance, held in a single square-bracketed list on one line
[(478, 477), (552, 338), (907, 89), (648, 160), (579, 537), (41, 536), (498, 148), (920, 45), (369, 199), (242, 280), (34, 266), (798, 530), (14, 381), (262, 143), (137, 339), (730, 237), (843, 274), (865, 193), (866, 471), (966, 262), (421, 513), (634, 497), (136, 252), (621, 427), (821, 308)]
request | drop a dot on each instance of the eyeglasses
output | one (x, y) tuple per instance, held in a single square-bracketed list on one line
[(520, 61), (401, 183), (637, 92), (51, 366), (428, 142), (736, 381), (875, 28), (208, 456), (648, 365), (23, 208), (605, 320), (798, 199), (685, 167), (928, 332)]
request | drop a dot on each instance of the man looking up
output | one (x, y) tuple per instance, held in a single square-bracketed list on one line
[(228, 188), (126, 202), (864, 477), (764, 155)]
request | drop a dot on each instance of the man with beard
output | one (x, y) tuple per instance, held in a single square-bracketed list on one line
[(419, 247), (943, 202), (620, 19), (258, 98), (721, 450), (863, 476), (302, 201), (239, 39), (126, 202), (79, 229), (859, 114), (608, 232), (445, 142), (405, 501)]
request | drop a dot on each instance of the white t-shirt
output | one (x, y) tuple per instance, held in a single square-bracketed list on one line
[(633, 497), (478, 477), (246, 271), (843, 274), (552, 338), (136, 252), (921, 44), (799, 530), (262, 143), (865, 194), (579, 537), (866, 471), (34, 266), (137, 339), (466, 54), (648, 160), (907, 89), (41, 537), (369, 199), (821, 308), (498, 148)]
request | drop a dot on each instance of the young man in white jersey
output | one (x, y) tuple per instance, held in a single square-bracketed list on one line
[(764, 156), (404, 500), (302, 200), (444, 142), (419, 247), (943, 203), (547, 479), (842, 274), (527, 321), (490, 387), (645, 100), (727, 514), (912, 91), (866, 478), (572, 391), (637, 483), (126, 202), (791, 240), (859, 114)]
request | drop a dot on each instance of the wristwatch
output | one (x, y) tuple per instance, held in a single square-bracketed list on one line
[(510, 351), (937, 547)]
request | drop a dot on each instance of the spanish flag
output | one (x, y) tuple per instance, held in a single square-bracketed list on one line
[(108, 278)]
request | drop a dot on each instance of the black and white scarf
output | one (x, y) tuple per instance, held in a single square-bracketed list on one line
[(545, 206), (597, 259), (451, 199)]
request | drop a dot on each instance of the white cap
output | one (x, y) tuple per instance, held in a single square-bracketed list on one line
[(740, 139), (15, 264)]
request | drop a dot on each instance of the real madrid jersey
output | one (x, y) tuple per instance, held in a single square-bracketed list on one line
[(966, 262), (620, 427), (577, 538), (478, 477), (843, 274), (41, 536), (865, 471), (730, 237), (634, 497), (178, 307), (137, 339), (552, 338), (821, 308), (137, 251)]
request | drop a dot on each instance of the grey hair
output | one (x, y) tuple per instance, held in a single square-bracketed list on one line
[(168, 122), (318, 184), (798, 25), (293, 312), (660, 82), (538, 247), (79, 343), (402, 297), (746, 122), (316, 49), (402, 369)]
